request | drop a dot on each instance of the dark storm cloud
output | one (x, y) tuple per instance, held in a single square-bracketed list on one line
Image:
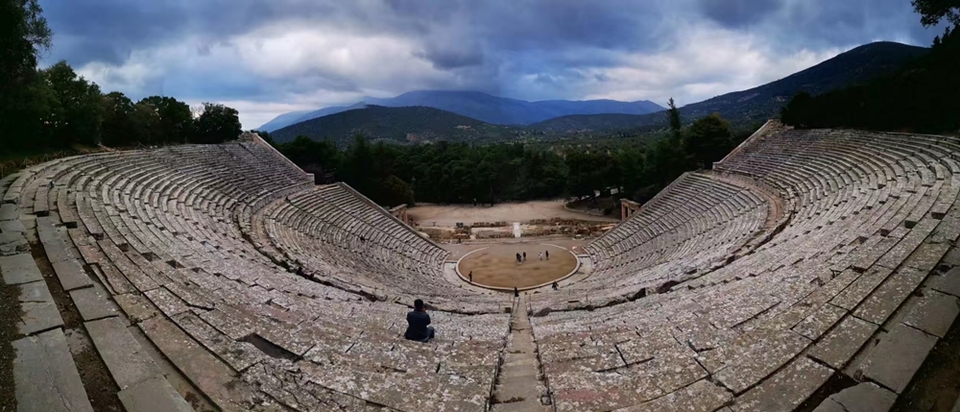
[(126, 25), (535, 49), (738, 13), (820, 23)]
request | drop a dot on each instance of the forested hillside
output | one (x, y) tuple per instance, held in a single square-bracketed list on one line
[(856, 66), (921, 97), (53, 108), (398, 124), (446, 172)]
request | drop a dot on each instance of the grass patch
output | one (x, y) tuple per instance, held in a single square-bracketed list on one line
[(9, 313)]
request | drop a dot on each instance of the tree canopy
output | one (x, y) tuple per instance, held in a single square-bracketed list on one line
[(55, 107), (445, 172), (933, 11), (918, 98), (217, 124)]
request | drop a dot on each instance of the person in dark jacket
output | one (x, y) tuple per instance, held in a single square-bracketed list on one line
[(417, 321)]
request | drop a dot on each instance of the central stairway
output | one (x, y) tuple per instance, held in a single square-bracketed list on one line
[(520, 386)]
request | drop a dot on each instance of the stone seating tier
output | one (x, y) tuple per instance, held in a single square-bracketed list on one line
[(804, 255)]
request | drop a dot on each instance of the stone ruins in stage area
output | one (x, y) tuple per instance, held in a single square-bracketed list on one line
[(804, 256)]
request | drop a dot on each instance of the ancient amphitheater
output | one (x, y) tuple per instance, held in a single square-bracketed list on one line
[(810, 270)]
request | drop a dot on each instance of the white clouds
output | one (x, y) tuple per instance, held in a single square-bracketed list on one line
[(254, 114), (710, 61), (299, 54), (131, 76)]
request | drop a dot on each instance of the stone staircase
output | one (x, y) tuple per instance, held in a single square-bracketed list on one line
[(520, 383)]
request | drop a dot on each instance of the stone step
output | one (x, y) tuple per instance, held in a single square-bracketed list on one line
[(127, 362), (40, 312), (897, 357), (20, 268), (153, 395), (46, 377), (865, 397)]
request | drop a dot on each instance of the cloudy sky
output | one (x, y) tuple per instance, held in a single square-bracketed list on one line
[(266, 57)]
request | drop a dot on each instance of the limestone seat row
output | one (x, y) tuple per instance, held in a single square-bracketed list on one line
[(162, 240), (861, 279)]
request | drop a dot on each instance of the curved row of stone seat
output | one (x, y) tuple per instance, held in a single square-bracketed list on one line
[(873, 216), (692, 226), (343, 239), (160, 231)]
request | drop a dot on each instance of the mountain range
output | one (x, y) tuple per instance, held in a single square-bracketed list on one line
[(760, 103), (481, 106), (408, 124), (462, 116)]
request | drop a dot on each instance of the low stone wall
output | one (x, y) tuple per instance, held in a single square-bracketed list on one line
[(400, 212), (628, 208)]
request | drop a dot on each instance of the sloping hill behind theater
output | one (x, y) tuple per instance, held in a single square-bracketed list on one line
[(850, 68), (400, 124)]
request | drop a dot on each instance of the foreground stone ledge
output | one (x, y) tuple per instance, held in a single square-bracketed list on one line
[(45, 376)]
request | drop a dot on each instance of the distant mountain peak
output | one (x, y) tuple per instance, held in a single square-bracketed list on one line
[(484, 106), (854, 66)]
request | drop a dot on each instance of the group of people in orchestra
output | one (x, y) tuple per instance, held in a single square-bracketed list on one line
[(522, 257)]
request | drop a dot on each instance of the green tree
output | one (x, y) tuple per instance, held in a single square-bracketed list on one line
[(674, 114), (708, 140), (631, 163), (217, 124), (77, 109), (24, 100), (148, 128), (585, 173), (798, 109), (933, 11), (393, 191), (175, 123), (119, 128)]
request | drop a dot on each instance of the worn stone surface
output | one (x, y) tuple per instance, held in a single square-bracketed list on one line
[(57, 250), (92, 303), (864, 397), (71, 275), (890, 295), (829, 405), (701, 396), (12, 226), (840, 344), (167, 302), (126, 360), (45, 376), (9, 211), (19, 269), (137, 307), (927, 256), (820, 321), (760, 359), (40, 312), (786, 389), (239, 355), (861, 288), (897, 357), (12, 243), (208, 373), (153, 395), (934, 313), (948, 282), (518, 377), (772, 291)]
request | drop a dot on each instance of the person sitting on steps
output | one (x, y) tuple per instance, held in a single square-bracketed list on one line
[(417, 321)]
